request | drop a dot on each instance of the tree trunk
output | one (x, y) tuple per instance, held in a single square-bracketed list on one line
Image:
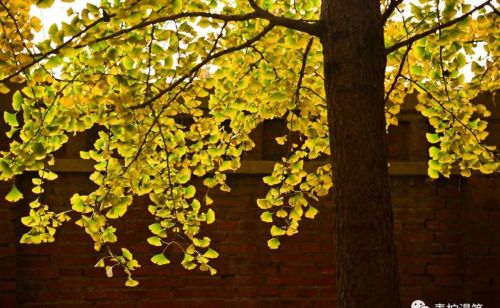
[(354, 59)]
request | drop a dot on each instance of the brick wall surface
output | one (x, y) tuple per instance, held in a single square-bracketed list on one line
[(447, 232), (448, 239)]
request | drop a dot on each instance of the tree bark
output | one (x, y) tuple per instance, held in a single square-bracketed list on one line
[(354, 64)]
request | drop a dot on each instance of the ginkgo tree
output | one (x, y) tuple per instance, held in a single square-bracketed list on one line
[(176, 87)]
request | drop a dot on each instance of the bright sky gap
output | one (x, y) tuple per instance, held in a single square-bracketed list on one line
[(58, 13)]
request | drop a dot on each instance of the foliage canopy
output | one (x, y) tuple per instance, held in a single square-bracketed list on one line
[(176, 87)]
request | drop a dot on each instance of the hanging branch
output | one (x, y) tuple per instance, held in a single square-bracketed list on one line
[(450, 23), (451, 113), (209, 58), (390, 9), (398, 75), (302, 69), (55, 50)]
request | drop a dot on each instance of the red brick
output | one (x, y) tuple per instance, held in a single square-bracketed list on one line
[(447, 246), (8, 300)]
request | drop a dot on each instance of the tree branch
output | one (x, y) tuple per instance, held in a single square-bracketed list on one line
[(302, 69), (412, 39), (400, 70), (53, 51), (451, 113), (312, 28), (390, 9), (204, 62), (494, 9), (174, 17), (294, 24)]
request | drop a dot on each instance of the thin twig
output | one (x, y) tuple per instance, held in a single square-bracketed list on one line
[(407, 42), (203, 63), (390, 9), (400, 70), (302, 69)]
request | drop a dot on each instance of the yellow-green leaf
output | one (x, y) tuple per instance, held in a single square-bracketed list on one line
[(14, 194), (275, 231), (267, 216), (131, 282), (273, 243), (155, 241), (43, 4), (211, 254), (432, 138), (160, 259), (210, 216), (11, 119)]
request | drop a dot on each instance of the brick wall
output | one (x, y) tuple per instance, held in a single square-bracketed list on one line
[(447, 231), (448, 239)]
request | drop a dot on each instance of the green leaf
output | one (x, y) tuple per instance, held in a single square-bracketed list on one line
[(17, 100), (271, 180), (226, 165), (176, 6), (117, 211), (275, 231), (432, 138), (189, 192), (127, 254), (54, 61), (264, 204), (155, 241), (37, 181), (48, 175), (53, 29), (296, 214), (131, 282), (38, 150), (5, 170), (77, 203), (273, 243), (476, 68), (184, 175), (201, 242), (11, 119), (434, 152), (210, 216), (489, 168), (187, 262), (128, 63), (14, 194), (267, 216), (212, 270), (293, 180), (37, 189), (211, 254), (461, 60), (160, 259), (434, 174), (156, 228), (100, 263), (210, 182), (27, 220), (417, 70), (311, 212), (43, 4), (4, 89)]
